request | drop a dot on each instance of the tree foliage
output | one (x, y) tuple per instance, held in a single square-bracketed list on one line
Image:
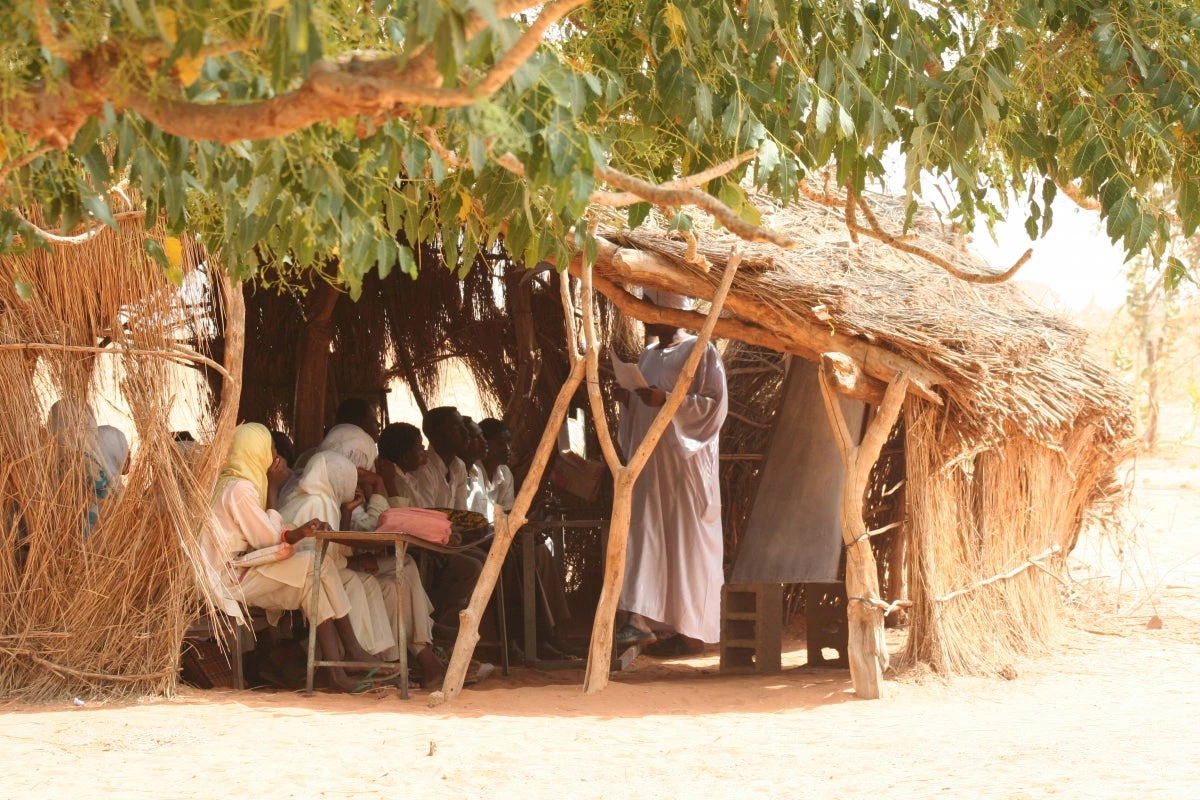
[(287, 130)]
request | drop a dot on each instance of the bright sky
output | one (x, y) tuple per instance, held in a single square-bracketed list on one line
[(1075, 259)]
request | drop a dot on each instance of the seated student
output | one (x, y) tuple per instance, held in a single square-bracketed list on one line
[(497, 481), (441, 483), (401, 453), (478, 498), (442, 480), (284, 447), (244, 520), (74, 427), (497, 477), (352, 442), (328, 490)]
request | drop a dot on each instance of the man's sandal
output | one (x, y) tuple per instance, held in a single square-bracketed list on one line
[(629, 636)]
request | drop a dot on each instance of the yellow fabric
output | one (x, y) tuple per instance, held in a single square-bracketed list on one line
[(249, 459)]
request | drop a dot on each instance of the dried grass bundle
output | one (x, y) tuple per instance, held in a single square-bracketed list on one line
[(101, 610)]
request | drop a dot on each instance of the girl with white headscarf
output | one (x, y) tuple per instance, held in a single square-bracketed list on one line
[(74, 427), (355, 445), (327, 491), (114, 452)]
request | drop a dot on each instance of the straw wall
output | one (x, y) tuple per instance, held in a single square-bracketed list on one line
[(971, 519), (100, 610)]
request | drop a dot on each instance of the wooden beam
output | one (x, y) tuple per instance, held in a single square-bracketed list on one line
[(796, 335)]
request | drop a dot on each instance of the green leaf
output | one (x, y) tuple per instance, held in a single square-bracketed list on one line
[(1120, 216), (845, 124), (1175, 274), (408, 264), (100, 210), (1028, 16), (24, 289), (768, 160), (824, 114), (1141, 228), (638, 213)]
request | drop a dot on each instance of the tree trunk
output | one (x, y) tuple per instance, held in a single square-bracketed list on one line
[(312, 374)]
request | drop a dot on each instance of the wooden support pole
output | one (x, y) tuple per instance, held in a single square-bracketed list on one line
[(312, 373), (410, 377), (507, 525), (600, 653), (529, 359), (234, 311), (867, 647)]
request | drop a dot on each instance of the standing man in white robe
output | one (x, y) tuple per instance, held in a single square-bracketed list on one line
[(673, 569)]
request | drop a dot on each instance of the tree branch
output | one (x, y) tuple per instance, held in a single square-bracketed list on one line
[(877, 232), (17, 163), (333, 90), (622, 199), (694, 197), (47, 33)]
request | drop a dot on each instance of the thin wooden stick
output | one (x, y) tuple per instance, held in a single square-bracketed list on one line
[(596, 677), (1003, 576), (507, 525), (170, 355), (592, 356)]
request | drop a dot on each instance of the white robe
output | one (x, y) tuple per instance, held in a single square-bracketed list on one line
[(238, 524), (673, 568)]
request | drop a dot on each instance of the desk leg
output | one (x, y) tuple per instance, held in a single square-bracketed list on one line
[(312, 623), (529, 590), (401, 633)]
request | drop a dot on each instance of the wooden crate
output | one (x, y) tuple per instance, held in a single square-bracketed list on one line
[(751, 627)]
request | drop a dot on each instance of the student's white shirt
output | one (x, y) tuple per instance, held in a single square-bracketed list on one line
[(438, 490), (478, 498), (501, 488)]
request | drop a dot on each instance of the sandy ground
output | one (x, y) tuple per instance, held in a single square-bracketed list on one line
[(1114, 711)]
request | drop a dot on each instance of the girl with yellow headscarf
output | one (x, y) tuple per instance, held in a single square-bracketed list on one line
[(244, 520)]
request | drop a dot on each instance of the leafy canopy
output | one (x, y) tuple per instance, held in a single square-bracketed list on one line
[(288, 130)]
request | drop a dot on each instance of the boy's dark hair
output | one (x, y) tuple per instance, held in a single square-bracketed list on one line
[(284, 446), (397, 439), (436, 419), (493, 427)]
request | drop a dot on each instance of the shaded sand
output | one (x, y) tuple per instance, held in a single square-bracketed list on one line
[(1110, 713)]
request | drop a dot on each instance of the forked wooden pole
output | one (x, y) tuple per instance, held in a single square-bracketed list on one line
[(506, 527), (864, 608), (624, 477)]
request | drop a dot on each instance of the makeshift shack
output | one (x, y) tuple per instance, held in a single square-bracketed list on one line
[(1007, 440)]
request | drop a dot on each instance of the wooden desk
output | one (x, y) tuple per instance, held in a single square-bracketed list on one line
[(352, 538), (402, 541)]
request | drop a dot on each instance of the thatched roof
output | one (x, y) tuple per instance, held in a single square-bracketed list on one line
[(1004, 365)]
